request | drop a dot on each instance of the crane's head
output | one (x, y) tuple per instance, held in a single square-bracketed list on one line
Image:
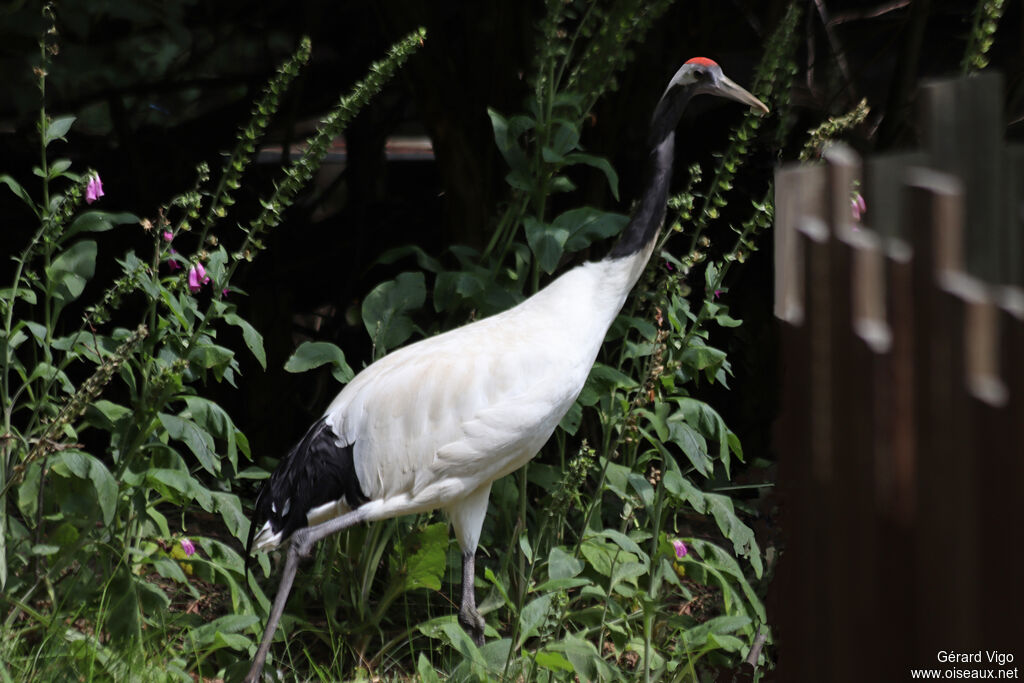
[(702, 76)]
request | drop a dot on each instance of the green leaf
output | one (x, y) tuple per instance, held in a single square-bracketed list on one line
[(9, 293), (599, 163), (385, 310), (587, 225), (733, 528), (169, 481), (692, 444), (701, 357), (553, 661), (57, 129), (67, 274), (426, 670), (572, 419), (58, 167), (96, 221), (123, 621), (603, 381), (562, 565), (197, 439), (203, 636), (18, 190), (506, 133), (547, 242), (312, 354), (209, 356), (456, 284), (426, 565), (85, 466), (532, 618)]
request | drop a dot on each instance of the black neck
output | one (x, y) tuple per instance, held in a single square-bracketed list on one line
[(650, 213)]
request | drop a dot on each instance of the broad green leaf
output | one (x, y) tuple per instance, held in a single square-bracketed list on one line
[(553, 661), (209, 356), (68, 273), (565, 138), (96, 221), (603, 556), (532, 618), (547, 241), (170, 481), (57, 128), (311, 354), (426, 670), (123, 622), (562, 565), (587, 225), (702, 357), (209, 416), (599, 163), (426, 565), (204, 635), (680, 487), (586, 660), (733, 528), (9, 293), (692, 444), (230, 508), (385, 310), (197, 439), (572, 419), (604, 380), (506, 133), (450, 286), (18, 190), (85, 466)]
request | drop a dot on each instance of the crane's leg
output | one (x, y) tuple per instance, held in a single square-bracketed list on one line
[(469, 617), (299, 545), (467, 519)]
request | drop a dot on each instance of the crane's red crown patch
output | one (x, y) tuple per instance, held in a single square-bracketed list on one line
[(703, 61)]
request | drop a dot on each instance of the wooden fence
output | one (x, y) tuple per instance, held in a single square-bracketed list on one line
[(901, 437)]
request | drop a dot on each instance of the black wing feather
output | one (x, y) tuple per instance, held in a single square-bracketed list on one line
[(316, 471)]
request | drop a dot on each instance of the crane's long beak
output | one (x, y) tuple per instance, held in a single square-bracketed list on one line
[(728, 88)]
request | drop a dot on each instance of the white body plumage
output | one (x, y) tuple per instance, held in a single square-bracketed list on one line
[(436, 422)]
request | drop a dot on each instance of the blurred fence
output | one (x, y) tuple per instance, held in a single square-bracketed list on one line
[(901, 437)]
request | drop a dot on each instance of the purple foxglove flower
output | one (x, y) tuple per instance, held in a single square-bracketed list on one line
[(172, 263), (197, 277), (94, 189), (858, 206), (188, 546), (681, 549), (167, 235)]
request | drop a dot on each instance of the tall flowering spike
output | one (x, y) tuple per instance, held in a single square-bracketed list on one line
[(94, 188), (197, 277)]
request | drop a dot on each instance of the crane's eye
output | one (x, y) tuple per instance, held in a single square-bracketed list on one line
[(699, 74)]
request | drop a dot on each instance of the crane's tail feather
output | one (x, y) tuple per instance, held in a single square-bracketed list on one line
[(318, 471)]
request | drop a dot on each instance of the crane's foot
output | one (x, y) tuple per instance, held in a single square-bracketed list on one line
[(474, 624)]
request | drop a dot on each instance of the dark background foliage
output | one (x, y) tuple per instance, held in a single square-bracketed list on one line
[(161, 86)]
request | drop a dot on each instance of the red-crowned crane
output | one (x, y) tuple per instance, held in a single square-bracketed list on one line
[(433, 424)]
